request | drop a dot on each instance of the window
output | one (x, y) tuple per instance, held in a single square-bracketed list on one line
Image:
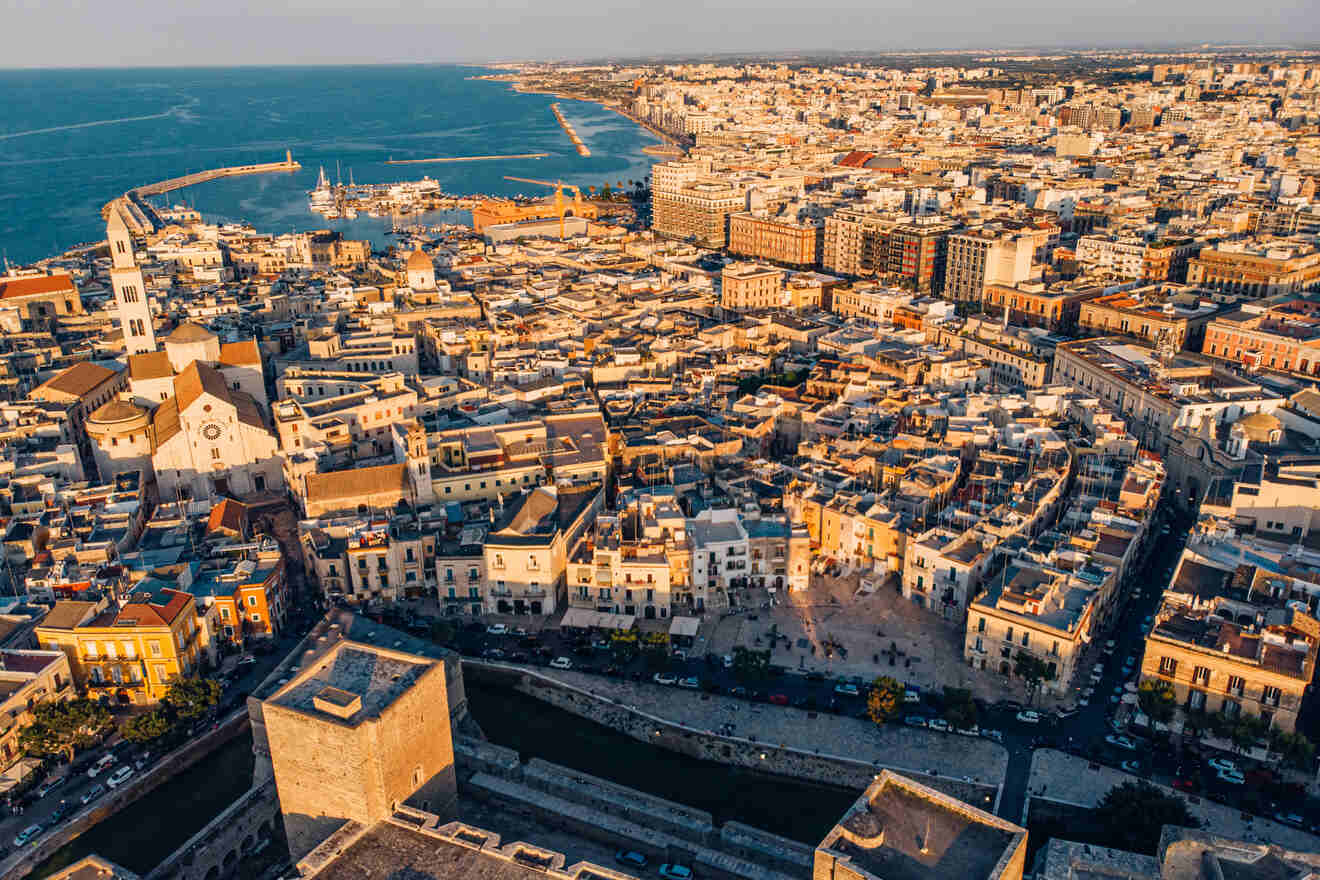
[(162, 675), (252, 601), (256, 618), (130, 650), (1168, 666), (154, 647), (980, 625), (1025, 637), (1236, 685), (215, 453), (1008, 636), (1201, 676), (110, 651), (224, 613)]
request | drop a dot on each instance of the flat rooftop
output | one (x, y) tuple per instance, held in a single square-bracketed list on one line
[(352, 672), (900, 830)]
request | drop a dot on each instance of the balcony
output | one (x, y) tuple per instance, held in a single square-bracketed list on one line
[(503, 592)]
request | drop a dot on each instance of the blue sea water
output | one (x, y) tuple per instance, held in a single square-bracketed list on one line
[(71, 140)]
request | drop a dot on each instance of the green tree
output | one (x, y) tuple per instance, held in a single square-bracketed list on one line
[(442, 631), (750, 665), (146, 728), (606, 193), (1157, 699), (655, 648), (1132, 815), (959, 708), (61, 728), (885, 700), (189, 698), (1295, 748), (1032, 670)]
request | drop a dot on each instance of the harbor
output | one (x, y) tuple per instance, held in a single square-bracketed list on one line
[(568, 129)]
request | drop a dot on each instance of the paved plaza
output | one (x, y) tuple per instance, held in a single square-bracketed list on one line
[(832, 613)]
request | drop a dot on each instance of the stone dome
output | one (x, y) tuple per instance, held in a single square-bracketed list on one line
[(188, 333), (419, 261), (117, 416), (1259, 427)]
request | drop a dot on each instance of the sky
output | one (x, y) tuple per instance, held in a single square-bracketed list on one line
[(129, 33)]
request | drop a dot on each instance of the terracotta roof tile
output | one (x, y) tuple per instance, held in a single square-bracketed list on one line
[(150, 365), (16, 287), (78, 380), (240, 354)]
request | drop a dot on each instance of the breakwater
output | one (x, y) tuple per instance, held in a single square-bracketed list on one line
[(568, 129)]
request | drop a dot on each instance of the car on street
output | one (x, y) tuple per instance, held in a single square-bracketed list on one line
[(561, 663), (246, 660), (779, 699), (664, 678), (939, 724), (93, 793), (1131, 766), (915, 721), (846, 689), (1292, 819), (27, 834), (62, 809), (1187, 785), (691, 683), (102, 763), (1121, 742), (50, 785), (1029, 716), (119, 777), (990, 734), (1110, 646), (974, 730), (630, 858), (1231, 777), (496, 629), (1225, 764), (679, 654), (675, 872), (727, 660), (911, 694)]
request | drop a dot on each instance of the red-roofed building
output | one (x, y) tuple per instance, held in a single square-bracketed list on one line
[(131, 653), (27, 679), (38, 298)]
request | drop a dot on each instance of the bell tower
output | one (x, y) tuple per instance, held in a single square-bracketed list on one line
[(130, 289)]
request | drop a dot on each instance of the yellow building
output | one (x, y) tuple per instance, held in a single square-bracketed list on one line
[(131, 653)]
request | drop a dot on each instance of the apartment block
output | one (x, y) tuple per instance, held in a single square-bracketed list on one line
[(781, 240)]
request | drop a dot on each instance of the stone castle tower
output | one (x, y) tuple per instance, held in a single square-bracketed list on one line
[(359, 731), (130, 289)]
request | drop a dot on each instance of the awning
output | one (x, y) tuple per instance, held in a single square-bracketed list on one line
[(586, 618), (683, 626), (15, 775)]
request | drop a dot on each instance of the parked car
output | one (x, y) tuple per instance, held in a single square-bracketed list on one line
[(915, 721), (119, 777), (102, 763), (675, 872), (246, 660), (1029, 716), (995, 735), (1132, 766), (93, 793), (974, 730), (847, 689), (62, 809), (1292, 819), (727, 660), (50, 785), (664, 678), (1225, 764), (497, 629), (938, 724), (27, 834), (911, 695), (1188, 785), (1231, 777), (561, 663), (630, 858), (691, 682), (678, 654), (779, 699), (1121, 742)]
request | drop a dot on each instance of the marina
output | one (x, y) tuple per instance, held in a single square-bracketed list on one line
[(568, 129)]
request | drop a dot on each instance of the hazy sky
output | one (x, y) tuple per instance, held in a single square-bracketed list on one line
[(82, 33)]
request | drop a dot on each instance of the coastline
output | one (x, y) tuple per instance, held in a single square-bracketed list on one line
[(517, 82)]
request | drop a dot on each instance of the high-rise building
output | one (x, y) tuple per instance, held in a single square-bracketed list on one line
[(978, 258), (864, 244), (130, 290)]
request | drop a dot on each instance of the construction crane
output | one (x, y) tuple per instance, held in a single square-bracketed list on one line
[(559, 186)]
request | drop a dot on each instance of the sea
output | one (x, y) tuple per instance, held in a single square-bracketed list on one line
[(71, 140)]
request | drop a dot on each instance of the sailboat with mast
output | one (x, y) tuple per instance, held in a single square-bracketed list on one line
[(322, 199)]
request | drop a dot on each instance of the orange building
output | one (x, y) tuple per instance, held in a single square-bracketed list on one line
[(493, 213)]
